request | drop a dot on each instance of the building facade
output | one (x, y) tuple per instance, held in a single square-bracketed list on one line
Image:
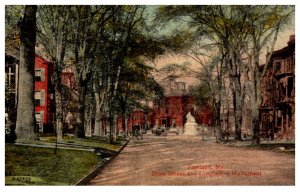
[(44, 95), (277, 112), (171, 111)]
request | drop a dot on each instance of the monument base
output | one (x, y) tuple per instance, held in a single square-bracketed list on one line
[(190, 129)]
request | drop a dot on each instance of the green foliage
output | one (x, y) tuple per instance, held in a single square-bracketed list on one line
[(137, 86), (13, 15), (202, 93)]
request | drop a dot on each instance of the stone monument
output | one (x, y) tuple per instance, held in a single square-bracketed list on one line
[(190, 127)]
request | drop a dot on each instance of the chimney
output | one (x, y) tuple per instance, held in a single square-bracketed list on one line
[(292, 39)]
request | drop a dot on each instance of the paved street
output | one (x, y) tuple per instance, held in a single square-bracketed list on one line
[(186, 160)]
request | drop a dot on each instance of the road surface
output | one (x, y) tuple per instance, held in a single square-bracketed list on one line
[(186, 160)]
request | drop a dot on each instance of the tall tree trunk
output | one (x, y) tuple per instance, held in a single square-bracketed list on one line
[(126, 125), (113, 111), (255, 125), (235, 80), (217, 106), (255, 104), (79, 130), (217, 109), (238, 108), (226, 112), (115, 127), (58, 103), (107, 126), (25, 125), (98, 130), (98, 127), (88, 123), (58, 65)]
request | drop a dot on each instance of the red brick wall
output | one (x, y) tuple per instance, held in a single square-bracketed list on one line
[(205, 116), (43, 85), (177, 107)]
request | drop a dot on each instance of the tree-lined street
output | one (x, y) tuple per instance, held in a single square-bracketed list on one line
[(91, 77), (178, 160)]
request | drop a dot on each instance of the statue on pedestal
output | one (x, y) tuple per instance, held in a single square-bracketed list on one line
[(190, 127), (190, 118)]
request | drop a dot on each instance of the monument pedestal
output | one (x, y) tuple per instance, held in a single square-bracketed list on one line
[(190, 129)]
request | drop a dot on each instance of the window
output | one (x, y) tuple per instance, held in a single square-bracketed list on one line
[(39, 74), (290, 86), (174, 123), (180, 86), (39, 98), (39, 116), (39, 119), (279, 118), (277, 66)]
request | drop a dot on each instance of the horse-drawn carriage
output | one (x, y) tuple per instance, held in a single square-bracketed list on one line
[(137, 132), (160, 131)]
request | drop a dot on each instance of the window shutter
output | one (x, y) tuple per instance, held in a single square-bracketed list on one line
[(42, 74), (42, 99)]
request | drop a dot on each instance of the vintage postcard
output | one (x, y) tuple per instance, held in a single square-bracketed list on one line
[(149, 95)]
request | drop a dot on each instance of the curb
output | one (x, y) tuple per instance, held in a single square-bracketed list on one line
[(98, 168), (90, 149)]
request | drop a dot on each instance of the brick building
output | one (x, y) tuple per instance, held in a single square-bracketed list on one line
[(171, 111), (138, 118), (44, 95), (277, 112)]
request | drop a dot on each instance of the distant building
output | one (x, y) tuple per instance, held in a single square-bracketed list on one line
[(139, 118), (277, 112), (69, 100), (171, 111)]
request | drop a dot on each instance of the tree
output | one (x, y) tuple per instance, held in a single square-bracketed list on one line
[(132, 41), (53, 27), (25, 125), (210, 76), (257, 27), (90, 23), (240, 32), (137, 87)]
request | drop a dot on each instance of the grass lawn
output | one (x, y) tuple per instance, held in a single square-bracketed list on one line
[(41, 166)]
